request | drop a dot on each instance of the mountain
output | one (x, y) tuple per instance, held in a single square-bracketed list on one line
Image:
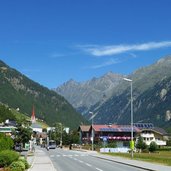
[(18, 91), (151, 97), (83, 95), (111, 102)]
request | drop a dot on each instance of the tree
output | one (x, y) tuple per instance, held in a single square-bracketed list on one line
[(22, 134), (5, 113), (153, 146), (141, 145)]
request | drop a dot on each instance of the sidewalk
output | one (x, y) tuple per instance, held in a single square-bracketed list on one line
[(135, 163), (40, 161)]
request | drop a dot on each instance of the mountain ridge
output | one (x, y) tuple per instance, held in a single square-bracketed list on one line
[(18, 91), (82, 95), (147, 81)]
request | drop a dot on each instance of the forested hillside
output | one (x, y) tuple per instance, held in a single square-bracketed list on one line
[(18, 91)]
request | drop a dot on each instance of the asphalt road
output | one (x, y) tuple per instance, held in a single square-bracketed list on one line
[(69, 160)]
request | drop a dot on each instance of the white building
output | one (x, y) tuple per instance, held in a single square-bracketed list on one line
[(149, 133), (36, 127)]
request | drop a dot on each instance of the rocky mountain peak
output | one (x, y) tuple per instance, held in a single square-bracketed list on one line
[(88, 93)]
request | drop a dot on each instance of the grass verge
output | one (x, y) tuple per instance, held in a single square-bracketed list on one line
[(162, 157)]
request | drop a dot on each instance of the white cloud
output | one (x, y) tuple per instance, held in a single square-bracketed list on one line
[(118, 49), (107, 63)]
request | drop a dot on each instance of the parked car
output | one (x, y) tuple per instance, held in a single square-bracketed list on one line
[(18, 147)]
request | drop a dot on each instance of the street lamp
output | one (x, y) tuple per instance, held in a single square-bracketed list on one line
[(132, 129), (92, 135), (61, 136)]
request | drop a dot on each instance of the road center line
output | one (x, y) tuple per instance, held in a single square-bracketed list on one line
[(88, 164), (99, 169), (80, 161)]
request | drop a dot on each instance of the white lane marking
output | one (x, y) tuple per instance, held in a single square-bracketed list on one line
[(76, 155), (99, 169), (80, 161), (52, 155), (57, 155), (88, 164)]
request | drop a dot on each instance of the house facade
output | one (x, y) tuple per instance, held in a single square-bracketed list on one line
[(149, 133), (121, 134)]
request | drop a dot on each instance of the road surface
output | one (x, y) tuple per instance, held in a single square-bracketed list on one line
[(70, 160)]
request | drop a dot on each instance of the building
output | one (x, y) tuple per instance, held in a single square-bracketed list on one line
[(36, 127), (149, 133), (8, 127), (84, 133), (121, 134), (33, 118)]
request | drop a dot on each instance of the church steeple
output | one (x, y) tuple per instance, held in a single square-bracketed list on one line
[(33, 119)]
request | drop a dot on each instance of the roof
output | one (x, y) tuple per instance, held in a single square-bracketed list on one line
[(84, 128), (114, 128), (35, 125), (157, 130)]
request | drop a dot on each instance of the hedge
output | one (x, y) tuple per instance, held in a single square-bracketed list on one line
[(17, 166), (7, 157), (6, 143)]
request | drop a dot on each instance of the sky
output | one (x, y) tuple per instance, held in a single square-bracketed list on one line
[(53, 41)]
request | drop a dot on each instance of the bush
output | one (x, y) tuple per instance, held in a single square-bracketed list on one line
[(153, 147), (111, 145), (7, 157), (17, 166), (25, 162), (6, 143), (140, 144)]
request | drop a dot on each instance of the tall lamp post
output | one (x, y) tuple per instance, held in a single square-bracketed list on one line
[(92, 135), (132, 128), (61, 136)]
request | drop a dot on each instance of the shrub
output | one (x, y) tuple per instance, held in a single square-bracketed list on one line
[(6, 143), (25, 162), (17, 166), (140, 144), (7, 157), (153, 147), (111, 145)]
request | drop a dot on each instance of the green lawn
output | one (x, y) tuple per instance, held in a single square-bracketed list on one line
[(162, 157)]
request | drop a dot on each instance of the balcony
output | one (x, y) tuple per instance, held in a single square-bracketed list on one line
[(147, 135), (160, 142)]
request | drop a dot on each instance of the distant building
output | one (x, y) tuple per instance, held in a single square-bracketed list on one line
[(8, 127), (36, 127), (121, 134), (84, 132), (149, 133), (7, 130)]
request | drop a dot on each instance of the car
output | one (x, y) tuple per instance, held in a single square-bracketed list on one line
[(18, 147), (51, 145)]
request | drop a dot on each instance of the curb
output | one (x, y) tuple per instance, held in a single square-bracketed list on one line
[(139, 167), (32, 163)]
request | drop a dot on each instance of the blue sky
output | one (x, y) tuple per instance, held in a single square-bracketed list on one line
[(52, 41)]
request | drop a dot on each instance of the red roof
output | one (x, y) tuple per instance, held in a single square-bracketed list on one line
[(114, 128), (84, 128), (108, 128)]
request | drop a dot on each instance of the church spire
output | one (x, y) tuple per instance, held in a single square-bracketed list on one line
[(33, 119)]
